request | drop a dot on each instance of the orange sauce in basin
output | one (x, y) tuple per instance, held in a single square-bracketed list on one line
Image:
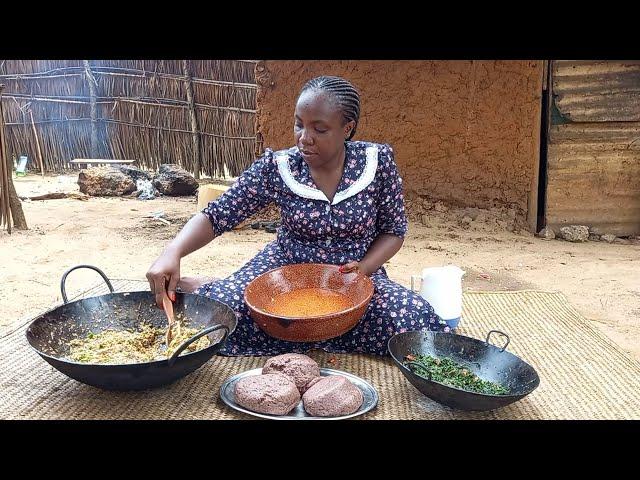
[(308, 302)]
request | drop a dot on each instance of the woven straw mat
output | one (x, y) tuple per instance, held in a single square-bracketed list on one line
[(583, 375)]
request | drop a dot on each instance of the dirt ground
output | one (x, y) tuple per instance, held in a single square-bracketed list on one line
[(601, 280)]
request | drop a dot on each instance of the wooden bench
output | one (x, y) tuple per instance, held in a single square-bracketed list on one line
[(99, 161)]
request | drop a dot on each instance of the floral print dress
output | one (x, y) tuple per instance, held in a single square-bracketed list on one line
[(369, 201)]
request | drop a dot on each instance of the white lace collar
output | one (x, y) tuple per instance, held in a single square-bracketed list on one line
[(305, 191)]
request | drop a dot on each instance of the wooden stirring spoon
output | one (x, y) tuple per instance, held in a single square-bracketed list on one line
[(167, 306)]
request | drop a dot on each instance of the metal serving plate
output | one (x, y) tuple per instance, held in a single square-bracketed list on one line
[(368, 392)]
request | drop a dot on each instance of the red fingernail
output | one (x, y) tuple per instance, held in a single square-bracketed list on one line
[(172, 295)]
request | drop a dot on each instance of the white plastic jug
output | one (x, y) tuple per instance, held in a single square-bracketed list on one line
[(442, 288)]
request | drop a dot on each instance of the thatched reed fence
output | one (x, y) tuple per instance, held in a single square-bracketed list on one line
[(199, 114)]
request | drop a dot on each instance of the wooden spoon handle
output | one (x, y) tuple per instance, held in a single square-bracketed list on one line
[(168, 310)]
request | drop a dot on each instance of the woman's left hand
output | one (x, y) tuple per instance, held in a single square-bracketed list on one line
[(190, 284), (350, 267), (355, 267)]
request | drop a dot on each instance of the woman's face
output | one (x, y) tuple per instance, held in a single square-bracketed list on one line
[(319, 129)]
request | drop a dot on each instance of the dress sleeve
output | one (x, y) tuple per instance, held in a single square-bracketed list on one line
[(251, 193), (391, 214)]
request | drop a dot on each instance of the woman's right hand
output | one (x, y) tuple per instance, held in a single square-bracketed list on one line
[(164, 276)]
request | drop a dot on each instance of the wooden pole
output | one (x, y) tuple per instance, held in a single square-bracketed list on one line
[(10, 200), (93, 94), (35, 134), (5, 210), (159, 102), (19, 221), (195, 131)]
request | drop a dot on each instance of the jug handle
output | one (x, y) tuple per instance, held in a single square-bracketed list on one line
[(412, 284)]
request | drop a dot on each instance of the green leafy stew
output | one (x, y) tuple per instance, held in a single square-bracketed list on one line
[(448, 372)]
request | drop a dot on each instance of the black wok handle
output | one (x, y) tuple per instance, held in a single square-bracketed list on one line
[(198, 335), (501, 333), (64, 279), (416, 364)]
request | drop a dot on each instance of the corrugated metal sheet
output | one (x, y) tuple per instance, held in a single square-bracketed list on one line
[(593, 162), (607, 136), (594, 177), (597, 91)]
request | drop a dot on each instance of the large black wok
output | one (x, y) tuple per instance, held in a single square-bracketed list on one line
[(50, 333), (482, 358)]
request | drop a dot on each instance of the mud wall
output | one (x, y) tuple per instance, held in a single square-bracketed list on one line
[(466, 132)]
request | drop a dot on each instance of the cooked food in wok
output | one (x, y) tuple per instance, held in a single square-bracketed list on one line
[(448, 372), (144, 344)]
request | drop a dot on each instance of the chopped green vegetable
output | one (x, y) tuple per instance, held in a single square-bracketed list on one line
[(450, 373)]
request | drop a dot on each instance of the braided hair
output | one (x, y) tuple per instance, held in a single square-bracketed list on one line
[(343, 92)]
